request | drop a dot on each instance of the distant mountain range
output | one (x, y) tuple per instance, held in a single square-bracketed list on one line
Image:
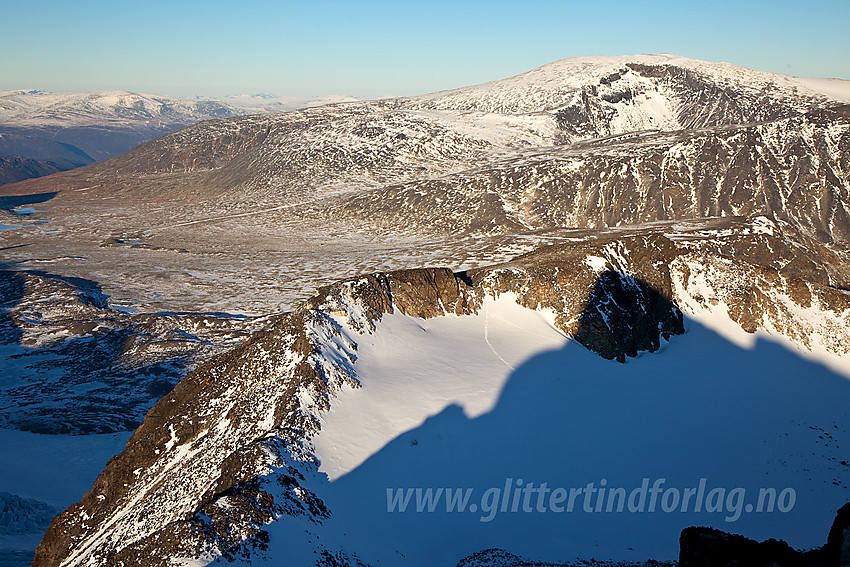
[(586, 142), (61, 131)]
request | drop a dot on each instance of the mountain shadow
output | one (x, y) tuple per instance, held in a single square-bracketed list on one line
[(625, 315), (701, 407), (9, 202)]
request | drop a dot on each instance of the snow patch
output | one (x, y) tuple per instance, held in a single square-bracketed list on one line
[(408, 374)]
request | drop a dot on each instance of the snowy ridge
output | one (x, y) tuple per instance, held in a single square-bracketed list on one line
[(268, 102), (40, 108), (554, 85), (704, 290), (393, 419), (411, 400), (280, 435), (181, 473)]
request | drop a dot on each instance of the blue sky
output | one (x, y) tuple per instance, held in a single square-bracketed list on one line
[(371, 49)]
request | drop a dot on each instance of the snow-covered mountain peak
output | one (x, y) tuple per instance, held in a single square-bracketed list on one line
[(643, 91), (576, 72), (40, 108)]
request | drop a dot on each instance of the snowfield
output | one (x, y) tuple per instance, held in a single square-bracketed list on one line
[(475, 402), (412, 373)]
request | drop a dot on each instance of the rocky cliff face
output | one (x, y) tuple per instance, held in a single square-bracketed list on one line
[(197, 478), (710, 547)]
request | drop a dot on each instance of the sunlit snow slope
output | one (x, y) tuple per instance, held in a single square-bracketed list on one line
[(477, 401)]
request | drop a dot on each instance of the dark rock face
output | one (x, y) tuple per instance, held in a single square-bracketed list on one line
[(501, 558), (845, 550), (614, 314), (624, 316), (837, 548), (707, 547), (424, 293), (705, 103)]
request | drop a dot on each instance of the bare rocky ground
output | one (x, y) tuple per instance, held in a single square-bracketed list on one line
[(249, 264)]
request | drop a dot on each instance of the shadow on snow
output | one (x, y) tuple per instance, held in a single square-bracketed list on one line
[(754, 418)]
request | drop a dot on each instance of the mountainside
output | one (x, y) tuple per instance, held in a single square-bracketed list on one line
[(74, 363), (308, 423), (600, 96), (644, 275), (794, 169), (726, 141), (333, 191), (14, 169), (39, 108)]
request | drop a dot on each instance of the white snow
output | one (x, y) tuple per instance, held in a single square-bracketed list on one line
[(116, 108), (554, 84), (838, 89), (823, 328), (438, 408), (409, 373), (597, 263)]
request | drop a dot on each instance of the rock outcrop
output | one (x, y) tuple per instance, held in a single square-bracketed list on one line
[(707, 547), (196, 478)]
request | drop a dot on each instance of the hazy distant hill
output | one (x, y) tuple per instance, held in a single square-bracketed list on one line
[(68, 130)]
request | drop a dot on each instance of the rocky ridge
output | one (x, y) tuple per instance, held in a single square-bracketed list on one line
[(710, 547), (195, 479)]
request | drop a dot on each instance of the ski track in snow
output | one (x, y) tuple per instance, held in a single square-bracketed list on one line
[(487, 337)]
